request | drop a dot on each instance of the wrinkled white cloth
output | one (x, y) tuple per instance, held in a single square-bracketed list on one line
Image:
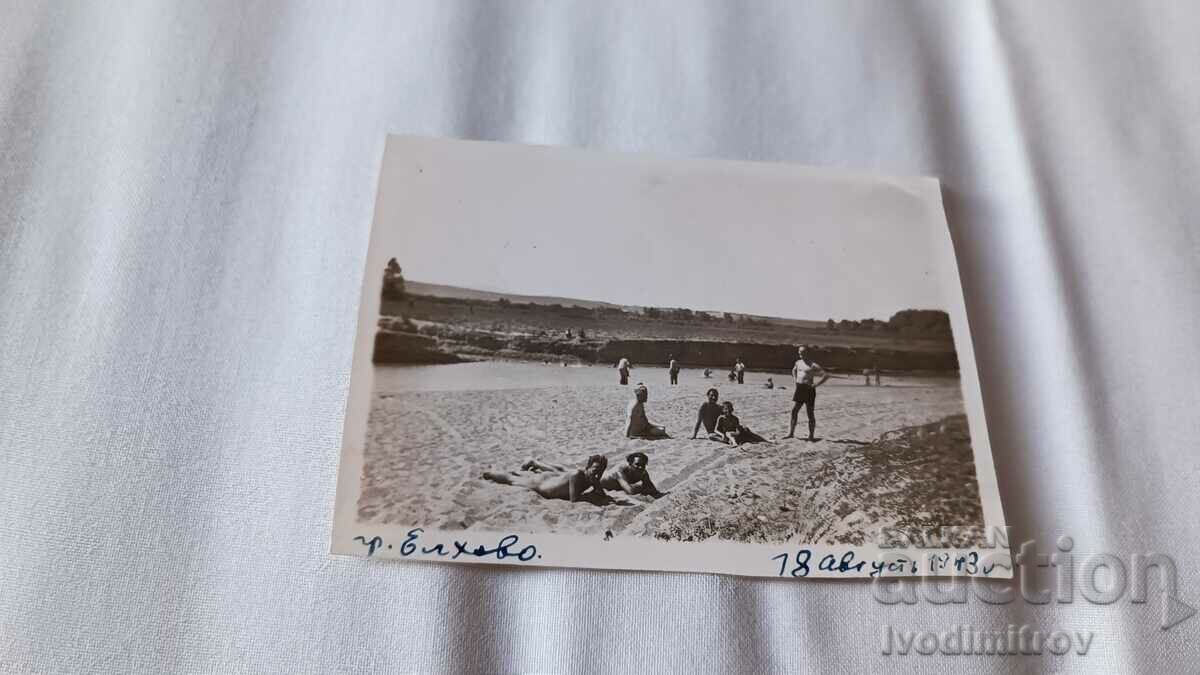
[(185, 196)]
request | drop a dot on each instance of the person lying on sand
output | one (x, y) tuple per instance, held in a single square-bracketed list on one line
[(637, 425), (555, 481), (632, 479), (731, 430), (709, 412)]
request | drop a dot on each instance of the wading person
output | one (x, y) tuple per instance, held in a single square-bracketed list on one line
[(673, 368), (806, 372), (633, 478), (557, 482), (731, 430), (636, 424), (623, 369), (709, 412)]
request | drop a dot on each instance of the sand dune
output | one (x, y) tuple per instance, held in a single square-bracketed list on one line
[(894, 455)]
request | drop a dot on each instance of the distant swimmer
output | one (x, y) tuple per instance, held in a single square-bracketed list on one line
[(806, 372), (637, 425), (710, 410), (633, 478), (740, 369), (557, 482), (623, 368), (673, 368), (731, 430), (770, 383)]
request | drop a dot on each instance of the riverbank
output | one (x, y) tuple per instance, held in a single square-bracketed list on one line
[(443, 344)]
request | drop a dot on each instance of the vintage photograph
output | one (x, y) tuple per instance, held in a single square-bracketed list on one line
[(573, 347)]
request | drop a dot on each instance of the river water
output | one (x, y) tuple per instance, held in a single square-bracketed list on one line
[(492, 375)]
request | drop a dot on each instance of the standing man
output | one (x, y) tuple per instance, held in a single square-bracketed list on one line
[(623, 368), (806, 372), (740, 368), (673, 367)]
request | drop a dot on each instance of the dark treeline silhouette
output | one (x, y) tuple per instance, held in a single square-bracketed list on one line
[(928, 323)]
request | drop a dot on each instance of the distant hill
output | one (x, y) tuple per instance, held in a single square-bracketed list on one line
[(444, 291), (457, 292)]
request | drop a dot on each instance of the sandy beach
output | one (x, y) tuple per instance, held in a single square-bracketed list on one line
[(897, 455)]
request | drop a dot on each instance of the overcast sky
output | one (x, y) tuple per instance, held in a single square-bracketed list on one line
[(739, 237)]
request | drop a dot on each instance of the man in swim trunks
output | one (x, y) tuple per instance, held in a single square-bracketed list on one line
[(632, 479), (557, 482), (709, 412), (806, 372), (623, 368), (637, 425), (673, 368), (740, 369)]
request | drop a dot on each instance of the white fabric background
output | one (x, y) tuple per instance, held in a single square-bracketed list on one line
[(185, 196)]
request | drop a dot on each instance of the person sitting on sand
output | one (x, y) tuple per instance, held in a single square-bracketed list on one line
[(632, 479), (733, 374), (637, 425), (707, 373), (623, 367), (731, 430), (709, 412), (560, 483), (770, 384)]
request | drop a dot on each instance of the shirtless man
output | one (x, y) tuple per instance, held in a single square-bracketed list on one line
[(632, 479), (710, 410), (557, 482), (740, 369), (636, 424), (806, 372), (673, 368), (623, 368)]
